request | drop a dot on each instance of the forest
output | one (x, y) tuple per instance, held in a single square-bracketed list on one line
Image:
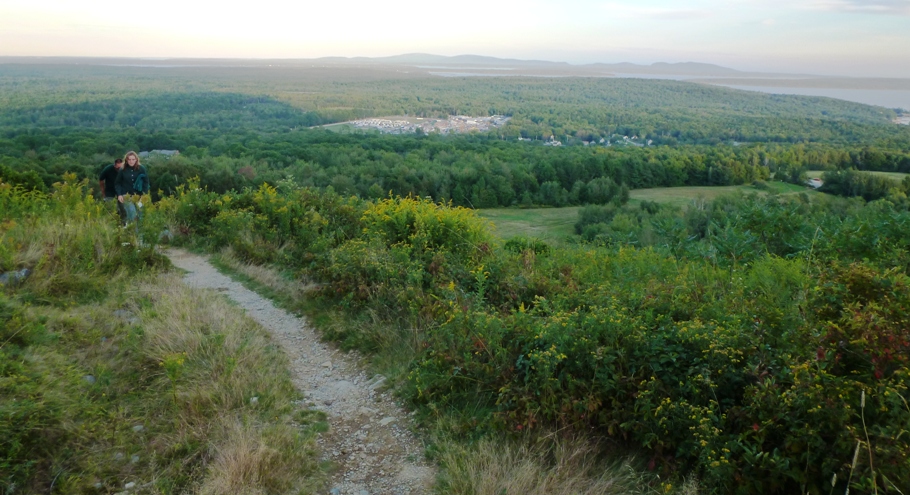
[(77, 119), (757, 342)]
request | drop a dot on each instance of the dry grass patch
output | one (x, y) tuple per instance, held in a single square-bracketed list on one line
[(268, 279), (150, 387), (252, 460), (546, 467), (231, 391)]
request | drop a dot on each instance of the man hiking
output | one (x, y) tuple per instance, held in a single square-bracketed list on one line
[(108, 177)]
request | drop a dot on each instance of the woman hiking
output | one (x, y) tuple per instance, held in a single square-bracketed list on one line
[(131, 179)]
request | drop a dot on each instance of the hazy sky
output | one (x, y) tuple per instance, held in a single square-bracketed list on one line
[(846, 37)]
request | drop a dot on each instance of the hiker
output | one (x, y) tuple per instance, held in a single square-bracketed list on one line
[(107, 178), (131, 179)]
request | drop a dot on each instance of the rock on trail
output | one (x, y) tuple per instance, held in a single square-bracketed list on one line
[(368, 441)]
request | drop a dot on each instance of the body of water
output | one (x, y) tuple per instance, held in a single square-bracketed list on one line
[(888, 98)]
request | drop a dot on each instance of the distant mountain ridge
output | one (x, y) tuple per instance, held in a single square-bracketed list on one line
[(481, 61), (409, 59), (437, 64), (423, 58)]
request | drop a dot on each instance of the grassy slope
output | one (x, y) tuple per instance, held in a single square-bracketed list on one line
[(112, 372), (158, 396)]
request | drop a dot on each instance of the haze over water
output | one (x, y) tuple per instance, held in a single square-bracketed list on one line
[(887, 98)]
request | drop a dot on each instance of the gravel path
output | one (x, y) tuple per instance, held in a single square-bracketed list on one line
[(368, 441)]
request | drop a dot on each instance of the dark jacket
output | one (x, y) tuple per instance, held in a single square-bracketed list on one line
[(126, 181), (109, 176)]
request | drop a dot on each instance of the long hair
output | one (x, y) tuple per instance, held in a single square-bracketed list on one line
[(126, 162)]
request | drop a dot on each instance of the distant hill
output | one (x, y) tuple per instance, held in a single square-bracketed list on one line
[(477, 63), (484, 62), (410, 59)]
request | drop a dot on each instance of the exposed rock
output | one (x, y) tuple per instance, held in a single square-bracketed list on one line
[(90, 379), (366, 411), (14, 278), (376, 382)]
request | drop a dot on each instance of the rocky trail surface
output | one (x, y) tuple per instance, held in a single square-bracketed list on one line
[(368, 442)]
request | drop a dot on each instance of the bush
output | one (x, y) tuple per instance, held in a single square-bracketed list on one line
[(706, 378)]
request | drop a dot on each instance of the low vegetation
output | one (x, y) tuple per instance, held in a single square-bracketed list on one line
[(115, 376), (752, 341)]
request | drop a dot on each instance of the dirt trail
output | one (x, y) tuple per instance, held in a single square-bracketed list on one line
[(368, 441)]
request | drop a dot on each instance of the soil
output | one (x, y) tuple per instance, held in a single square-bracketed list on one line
[(370, 443)]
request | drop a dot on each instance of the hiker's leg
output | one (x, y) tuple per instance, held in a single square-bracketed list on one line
[(121, 210)]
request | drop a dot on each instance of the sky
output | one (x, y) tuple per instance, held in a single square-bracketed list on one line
[(869, 38)]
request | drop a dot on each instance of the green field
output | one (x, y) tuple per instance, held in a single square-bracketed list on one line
[(551, 224), (898, 176), (554, 224)]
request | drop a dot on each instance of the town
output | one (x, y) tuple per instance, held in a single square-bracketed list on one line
[(454, 124)]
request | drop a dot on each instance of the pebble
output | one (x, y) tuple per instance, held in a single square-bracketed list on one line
[(254, 401), (129, 486), (386, 421), (134, 459), (327, 364), (138, 428), (89, 379)]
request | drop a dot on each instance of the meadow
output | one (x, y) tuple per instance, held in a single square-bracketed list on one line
[(895, 176)]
